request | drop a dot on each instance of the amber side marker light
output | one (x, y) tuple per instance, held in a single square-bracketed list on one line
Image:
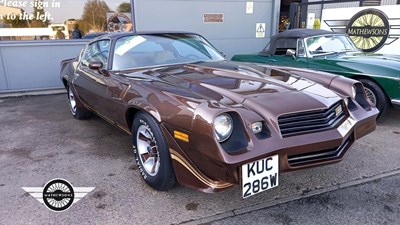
[(181, 136)]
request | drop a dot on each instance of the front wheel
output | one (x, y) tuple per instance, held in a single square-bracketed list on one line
[(152, 153), (376, 95)]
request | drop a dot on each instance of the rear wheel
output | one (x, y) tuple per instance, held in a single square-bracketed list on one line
[(151, 153), (376, 95), (77, 109)]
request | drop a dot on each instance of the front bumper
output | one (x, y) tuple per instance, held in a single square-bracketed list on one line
[(298, 152)]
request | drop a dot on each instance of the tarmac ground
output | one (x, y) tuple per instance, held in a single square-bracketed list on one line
[(41, 141)]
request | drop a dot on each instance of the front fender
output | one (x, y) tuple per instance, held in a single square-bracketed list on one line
[(141, 104)]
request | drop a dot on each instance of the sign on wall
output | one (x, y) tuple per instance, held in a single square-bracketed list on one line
[(372, 29), (249, 7), (310, 20), (61, 19), (213, 17), (260, 30)]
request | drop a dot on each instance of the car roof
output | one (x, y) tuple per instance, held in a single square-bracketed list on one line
[(294, 34), (94, 35), (116, 35), (302, 33)]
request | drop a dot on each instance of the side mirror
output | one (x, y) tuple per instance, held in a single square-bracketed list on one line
[(291, 52), (95, 65), (99, 67)]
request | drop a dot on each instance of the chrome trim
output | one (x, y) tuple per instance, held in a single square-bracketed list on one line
[(196, 173), (395, 101)]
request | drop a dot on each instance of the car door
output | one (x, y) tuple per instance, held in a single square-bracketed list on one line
[(328, 64), (281, 58), (126, 56), (90, 84)]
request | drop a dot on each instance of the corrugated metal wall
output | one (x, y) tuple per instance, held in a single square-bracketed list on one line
[(236, 34), (352, 4), (341, 5), (34, 65), (388, 2)]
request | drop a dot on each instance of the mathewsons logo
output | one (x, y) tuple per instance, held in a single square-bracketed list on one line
[(369, 29), (58, 194)]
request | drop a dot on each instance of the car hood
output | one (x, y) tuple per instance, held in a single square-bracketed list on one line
[(262, 89)]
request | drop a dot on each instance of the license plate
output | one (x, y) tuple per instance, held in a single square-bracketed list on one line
[(259, 176)]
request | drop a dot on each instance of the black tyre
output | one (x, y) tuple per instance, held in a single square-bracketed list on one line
[(152, 153), (77, 109), (376, 95)]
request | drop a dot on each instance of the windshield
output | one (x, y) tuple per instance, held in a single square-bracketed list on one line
[(321, 45), (162, 49)]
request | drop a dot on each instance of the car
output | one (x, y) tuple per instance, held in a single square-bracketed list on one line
[(209, 123), (334, 53), (94, 35)]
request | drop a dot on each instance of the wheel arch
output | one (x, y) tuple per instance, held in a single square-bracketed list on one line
[(65, 82), (132, 111), (362, 77)]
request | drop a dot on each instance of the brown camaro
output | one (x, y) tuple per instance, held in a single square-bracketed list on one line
[(209, 123)]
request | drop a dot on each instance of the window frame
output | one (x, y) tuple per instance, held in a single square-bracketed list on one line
[(85, 53)]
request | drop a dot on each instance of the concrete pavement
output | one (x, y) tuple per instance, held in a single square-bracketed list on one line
[(372, 203)]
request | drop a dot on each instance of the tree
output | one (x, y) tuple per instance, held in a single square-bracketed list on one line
[(124, 7), (17, 22), (95, 15), (38, 11)]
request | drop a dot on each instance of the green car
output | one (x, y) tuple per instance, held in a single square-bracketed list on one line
[(335, 53)]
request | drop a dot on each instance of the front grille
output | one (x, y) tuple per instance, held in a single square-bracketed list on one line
[(319, 156), (311, 121)]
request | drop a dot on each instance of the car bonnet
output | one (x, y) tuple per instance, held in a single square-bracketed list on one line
[(266, 90)]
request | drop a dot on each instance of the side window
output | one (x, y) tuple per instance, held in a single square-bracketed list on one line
[(300, 48), (282, 45), (97, 52)]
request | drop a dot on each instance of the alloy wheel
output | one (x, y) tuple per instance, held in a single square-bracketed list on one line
[(72, 101), (147, 150)]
